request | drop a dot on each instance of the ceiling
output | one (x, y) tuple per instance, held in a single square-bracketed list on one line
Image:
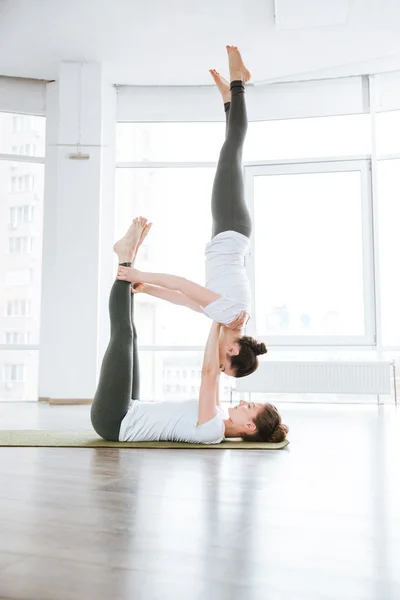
[(175, 42)]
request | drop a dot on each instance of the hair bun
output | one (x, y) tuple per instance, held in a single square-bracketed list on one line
[(279, 434), (256, 347), (261, 348)]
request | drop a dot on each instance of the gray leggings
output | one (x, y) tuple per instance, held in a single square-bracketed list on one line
[(228, 205), (119, 375)]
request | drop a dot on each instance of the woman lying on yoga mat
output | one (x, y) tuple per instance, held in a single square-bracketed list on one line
[(201, 421), (226, 297)]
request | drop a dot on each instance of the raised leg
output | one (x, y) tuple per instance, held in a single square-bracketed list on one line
[(135, 393), (119, 375), (228, 205), (113, 394)]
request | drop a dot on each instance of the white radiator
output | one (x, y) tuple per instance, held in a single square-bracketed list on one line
[(314, 377)]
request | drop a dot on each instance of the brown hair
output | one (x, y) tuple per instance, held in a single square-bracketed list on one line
[(269, 426), (246, 362)]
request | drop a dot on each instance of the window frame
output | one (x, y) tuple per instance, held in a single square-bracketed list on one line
[(331, 165)]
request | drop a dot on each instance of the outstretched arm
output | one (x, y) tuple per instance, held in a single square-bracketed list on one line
[(197, 293), (170, 295), (178, 298), (210, 374)]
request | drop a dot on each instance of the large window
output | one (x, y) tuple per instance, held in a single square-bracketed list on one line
[(311, 258), (21, 218)]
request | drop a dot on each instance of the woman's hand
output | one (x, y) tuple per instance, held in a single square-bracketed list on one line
[(240, 321), (128, 274), (139, 288)]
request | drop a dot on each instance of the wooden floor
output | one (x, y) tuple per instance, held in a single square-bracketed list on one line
[(319, 520)]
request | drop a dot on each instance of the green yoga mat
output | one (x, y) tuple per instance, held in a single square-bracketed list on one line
[(89, 439)]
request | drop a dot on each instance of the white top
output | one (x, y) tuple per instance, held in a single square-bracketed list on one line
[(226, 275), (170, 421)]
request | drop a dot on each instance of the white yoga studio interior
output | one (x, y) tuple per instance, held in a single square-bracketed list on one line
[(108, 111)]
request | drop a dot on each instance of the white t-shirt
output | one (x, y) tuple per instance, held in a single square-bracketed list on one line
[(226, 276), (170, 421)]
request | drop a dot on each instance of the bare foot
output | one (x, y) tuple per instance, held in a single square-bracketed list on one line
[(222, 84), (237, 69), (126, 246), (143, 236)]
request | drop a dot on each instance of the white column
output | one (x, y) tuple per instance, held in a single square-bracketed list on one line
[(78, 231)]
